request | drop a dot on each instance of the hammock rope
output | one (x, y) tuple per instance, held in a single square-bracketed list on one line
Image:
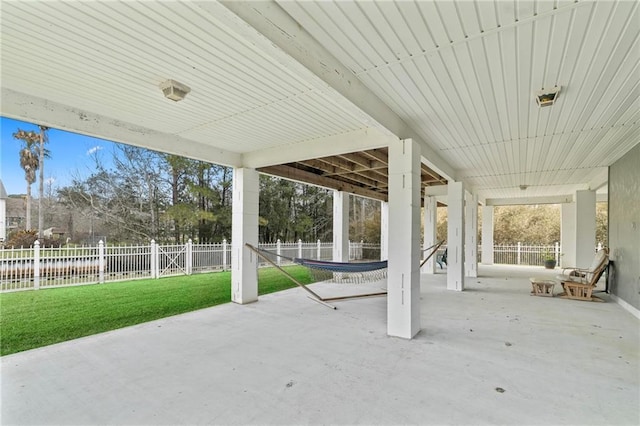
[(337, 272)]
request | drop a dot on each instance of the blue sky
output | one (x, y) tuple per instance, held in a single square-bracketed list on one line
[(70, 156)]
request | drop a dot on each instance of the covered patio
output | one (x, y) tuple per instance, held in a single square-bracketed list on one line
[(410, 103), (492, 354)]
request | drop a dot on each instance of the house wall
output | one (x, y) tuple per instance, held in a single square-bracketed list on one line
[(624, 227)]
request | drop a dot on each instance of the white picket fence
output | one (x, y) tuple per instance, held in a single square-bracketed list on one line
[(523, 254), (35, 268)]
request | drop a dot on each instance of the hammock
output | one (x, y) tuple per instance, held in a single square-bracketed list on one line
[(337, 272)]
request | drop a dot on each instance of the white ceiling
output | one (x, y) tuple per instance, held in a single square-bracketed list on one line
[(334, 77)]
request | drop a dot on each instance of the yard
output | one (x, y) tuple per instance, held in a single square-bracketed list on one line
[(31, 319)]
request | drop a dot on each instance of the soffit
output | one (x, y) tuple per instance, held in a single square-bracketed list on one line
[(463, 75), (109, 58)]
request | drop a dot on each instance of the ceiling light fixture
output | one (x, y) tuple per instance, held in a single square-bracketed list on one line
[(174, 90), (547, 97)]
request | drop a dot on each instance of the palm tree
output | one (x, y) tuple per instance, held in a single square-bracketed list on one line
[(29, 161), (42, 152)]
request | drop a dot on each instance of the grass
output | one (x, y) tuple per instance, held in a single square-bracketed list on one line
[(32, 319)]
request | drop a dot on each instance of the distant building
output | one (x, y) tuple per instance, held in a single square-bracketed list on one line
[(54, 233), (15, 216)]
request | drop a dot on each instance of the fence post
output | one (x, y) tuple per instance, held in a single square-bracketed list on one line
[(36, 265), (557, 252), (189, 257), (152, 255), (361, 251), (300, 249), (224, 254), (101, 262), (518, 252), (318, 250), (278, 251)]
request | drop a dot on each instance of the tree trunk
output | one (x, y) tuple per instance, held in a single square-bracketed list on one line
[(41, 184), (27, 225)]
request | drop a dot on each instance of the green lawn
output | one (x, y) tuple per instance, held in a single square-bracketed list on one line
[(31, 319)]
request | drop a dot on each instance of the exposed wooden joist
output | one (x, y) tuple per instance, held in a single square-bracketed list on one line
[(308, 177), (329, 171), (377, 172)]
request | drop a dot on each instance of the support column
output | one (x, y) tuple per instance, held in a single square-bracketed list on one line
[(471, 235), (384, 230), (585, 227), (430, 225), (568, 234), (244, 229), (403, 283), (455, 236), (340, 226), (487, 235)]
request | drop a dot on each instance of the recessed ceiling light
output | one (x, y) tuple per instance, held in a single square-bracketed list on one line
[(174, 90), (547, 97)]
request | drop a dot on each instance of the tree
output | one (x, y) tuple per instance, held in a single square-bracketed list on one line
[(42, 153), (29, 161)]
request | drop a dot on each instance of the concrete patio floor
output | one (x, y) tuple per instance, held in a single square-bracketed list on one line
[(492, 354)]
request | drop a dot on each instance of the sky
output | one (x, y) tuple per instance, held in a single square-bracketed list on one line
[(71, 155)]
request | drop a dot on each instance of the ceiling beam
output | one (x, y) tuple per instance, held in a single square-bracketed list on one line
[(437, 190), (311, 178), (554, 199), (330, 75), (329, 171), (331, 168), (21, 106), (317, 148)]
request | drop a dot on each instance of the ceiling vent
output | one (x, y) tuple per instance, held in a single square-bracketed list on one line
[(174, 90), (547, 97)]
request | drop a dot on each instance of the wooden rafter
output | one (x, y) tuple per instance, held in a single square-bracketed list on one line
[(362, 173), (308, 177)]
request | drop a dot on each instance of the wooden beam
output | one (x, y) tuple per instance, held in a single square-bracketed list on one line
[(358, 159), (378, 154), (347, 167), (329, 171), (326, 182)]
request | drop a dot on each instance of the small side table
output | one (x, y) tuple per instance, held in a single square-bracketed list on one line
[(542, 287)]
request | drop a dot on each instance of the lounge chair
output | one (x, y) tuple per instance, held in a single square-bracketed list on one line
[(578, 283)]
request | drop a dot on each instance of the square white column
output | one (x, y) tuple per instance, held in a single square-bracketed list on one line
[(585, 227), (487, 235), (403, 283), (568, 235), (384, 230), (455, 236), (430, 225), (471, 235), (244, 229), (340, 226)]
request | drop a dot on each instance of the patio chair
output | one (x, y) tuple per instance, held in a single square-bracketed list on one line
[(442, 258), (578, 283)]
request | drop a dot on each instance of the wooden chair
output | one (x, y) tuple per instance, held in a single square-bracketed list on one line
[(578, 283)]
